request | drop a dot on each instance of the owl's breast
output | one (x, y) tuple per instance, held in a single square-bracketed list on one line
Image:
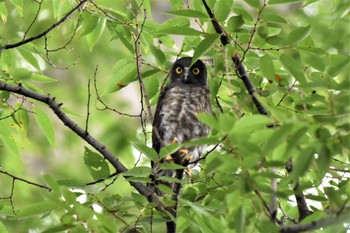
[(179, 113)]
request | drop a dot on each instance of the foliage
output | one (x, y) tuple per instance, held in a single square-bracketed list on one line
[(108, 61)]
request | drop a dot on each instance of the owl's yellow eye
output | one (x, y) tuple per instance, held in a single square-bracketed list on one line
[(195, 71), (178, 70)]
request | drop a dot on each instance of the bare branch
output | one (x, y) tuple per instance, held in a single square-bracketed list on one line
[(24, 180), (33, 21), (273, 203), (299, 195), (56, 108), (53, 26), (88, 108), (254, 30), (106, 107)]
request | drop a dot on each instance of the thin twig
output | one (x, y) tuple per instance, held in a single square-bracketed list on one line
[(106, 107), (88, 108), (24, 180), (33, 21), (40, 35), (56, 108), (273, 203), (254, 30), (303, 209)]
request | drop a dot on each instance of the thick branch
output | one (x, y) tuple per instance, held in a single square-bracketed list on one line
[(239, 67), (303, 209), (330, 220), (53, 26), (56, 107)]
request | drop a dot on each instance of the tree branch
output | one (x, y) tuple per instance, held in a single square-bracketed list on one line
[(330, 220), (239, 67), (303, 209), (53, 26), (25, 181), (56, 108)]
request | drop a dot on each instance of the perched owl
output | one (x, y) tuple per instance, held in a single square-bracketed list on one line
[(175, 119)]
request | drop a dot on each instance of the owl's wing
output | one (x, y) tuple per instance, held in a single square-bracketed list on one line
[(157, 133)]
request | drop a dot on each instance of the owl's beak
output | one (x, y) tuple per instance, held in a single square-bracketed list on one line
[(186, 74)]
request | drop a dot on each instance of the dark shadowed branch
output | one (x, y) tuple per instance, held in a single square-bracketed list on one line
[(56, 108), (299, 195), (239, 67), (327, 221)]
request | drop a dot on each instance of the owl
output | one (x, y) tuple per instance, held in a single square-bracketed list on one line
[(175, 119)]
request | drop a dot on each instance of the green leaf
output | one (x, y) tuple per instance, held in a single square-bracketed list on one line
[(151, 85), (299, 34), (37, 208), (89, 23), (209, 119), (72, 183), (180, 30), (244, 13), (294, 140), (234, 23), (315, 60), (45, 125), (275, 40), (250, 123), (3, 228), (169, 149), (266, 66), (42, 78), (29, 57), (7, 138), (302, 163), (202, 141), (169, 179), (97, 165), (240, 220), (170, 166), (271, 2), (337, 63), (60, 228), (222, 10), (149, 152), (204, 46), (308, 2), (187, 13), (278, 137), (253, 3), (120, 34), (95, 35), (18, 4), (294, 67), (3, 15), (274, 18), (124, 71), (158, 53), (141, 171)]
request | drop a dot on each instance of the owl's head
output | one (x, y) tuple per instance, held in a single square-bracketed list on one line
[(184, 73)]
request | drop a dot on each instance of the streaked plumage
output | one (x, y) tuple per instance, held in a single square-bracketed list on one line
[(176, 114)]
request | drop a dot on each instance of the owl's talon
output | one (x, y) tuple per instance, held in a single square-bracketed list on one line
[(183, 152), (188, 171), (175, 141)]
